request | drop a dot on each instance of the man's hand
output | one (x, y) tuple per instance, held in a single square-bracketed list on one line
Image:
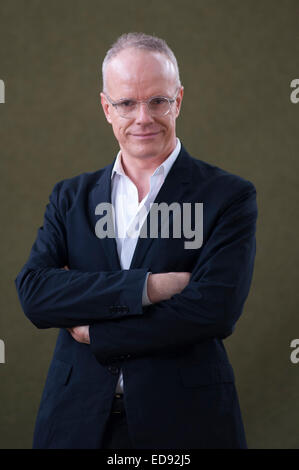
[(79, 333), (163, 286)]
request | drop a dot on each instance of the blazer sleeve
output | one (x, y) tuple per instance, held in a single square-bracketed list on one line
[(210, 304), (54, 297)]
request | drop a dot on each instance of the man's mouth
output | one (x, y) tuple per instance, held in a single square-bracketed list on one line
[(145, 135)]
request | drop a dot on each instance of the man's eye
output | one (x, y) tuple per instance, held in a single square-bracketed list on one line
[(158, 101), (127, 104)]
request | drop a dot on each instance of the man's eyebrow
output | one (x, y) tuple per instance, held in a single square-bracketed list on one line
[(126, 99), (134, 99), (119, 100)]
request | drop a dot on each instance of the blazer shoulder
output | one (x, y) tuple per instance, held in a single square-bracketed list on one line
[(85, 178), (66, 191), (212, 175)]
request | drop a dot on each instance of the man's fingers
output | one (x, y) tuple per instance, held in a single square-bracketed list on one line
[(80, 333), (66, 267), (74, 334)]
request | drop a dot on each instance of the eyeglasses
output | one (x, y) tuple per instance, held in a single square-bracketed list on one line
[(156, 105)]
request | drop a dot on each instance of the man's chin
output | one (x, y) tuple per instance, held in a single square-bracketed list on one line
[(145, 149)]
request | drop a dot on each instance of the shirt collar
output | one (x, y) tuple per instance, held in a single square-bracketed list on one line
[(165, 166)]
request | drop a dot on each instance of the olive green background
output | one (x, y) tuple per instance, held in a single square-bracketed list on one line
[(237, 59)]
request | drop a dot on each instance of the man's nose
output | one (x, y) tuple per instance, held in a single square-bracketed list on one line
[(143, 115)]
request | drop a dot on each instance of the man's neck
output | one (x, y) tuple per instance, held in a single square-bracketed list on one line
[(139, 170)]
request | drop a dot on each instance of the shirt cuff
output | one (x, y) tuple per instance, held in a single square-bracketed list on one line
[(145, 300)]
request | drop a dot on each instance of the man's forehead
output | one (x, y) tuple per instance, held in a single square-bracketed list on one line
[(134, 70), (131, 62)]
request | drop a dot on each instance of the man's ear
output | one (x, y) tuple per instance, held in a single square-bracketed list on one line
[(106, 107), (178, 101)]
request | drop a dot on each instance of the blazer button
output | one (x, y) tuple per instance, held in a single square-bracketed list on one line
[(113, 369)]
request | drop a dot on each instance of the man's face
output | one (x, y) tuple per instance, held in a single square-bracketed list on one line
[(140, 74)]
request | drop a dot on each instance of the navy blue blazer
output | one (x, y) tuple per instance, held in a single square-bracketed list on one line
[(179, 384)]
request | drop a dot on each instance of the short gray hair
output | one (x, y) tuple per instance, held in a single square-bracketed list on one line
[(140, 41)]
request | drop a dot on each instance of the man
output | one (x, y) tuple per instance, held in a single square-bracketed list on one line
[(139, 360)]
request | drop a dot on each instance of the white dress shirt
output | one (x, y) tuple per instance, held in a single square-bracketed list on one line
[(130, 214)]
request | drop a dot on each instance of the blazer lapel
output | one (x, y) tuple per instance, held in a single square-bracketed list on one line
[(174, 188), (102, 194)]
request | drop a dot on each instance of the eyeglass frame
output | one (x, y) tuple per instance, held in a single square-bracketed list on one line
[(116, 103)]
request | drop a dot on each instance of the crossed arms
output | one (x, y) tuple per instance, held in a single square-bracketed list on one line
[(160, 287), (208, 306)]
